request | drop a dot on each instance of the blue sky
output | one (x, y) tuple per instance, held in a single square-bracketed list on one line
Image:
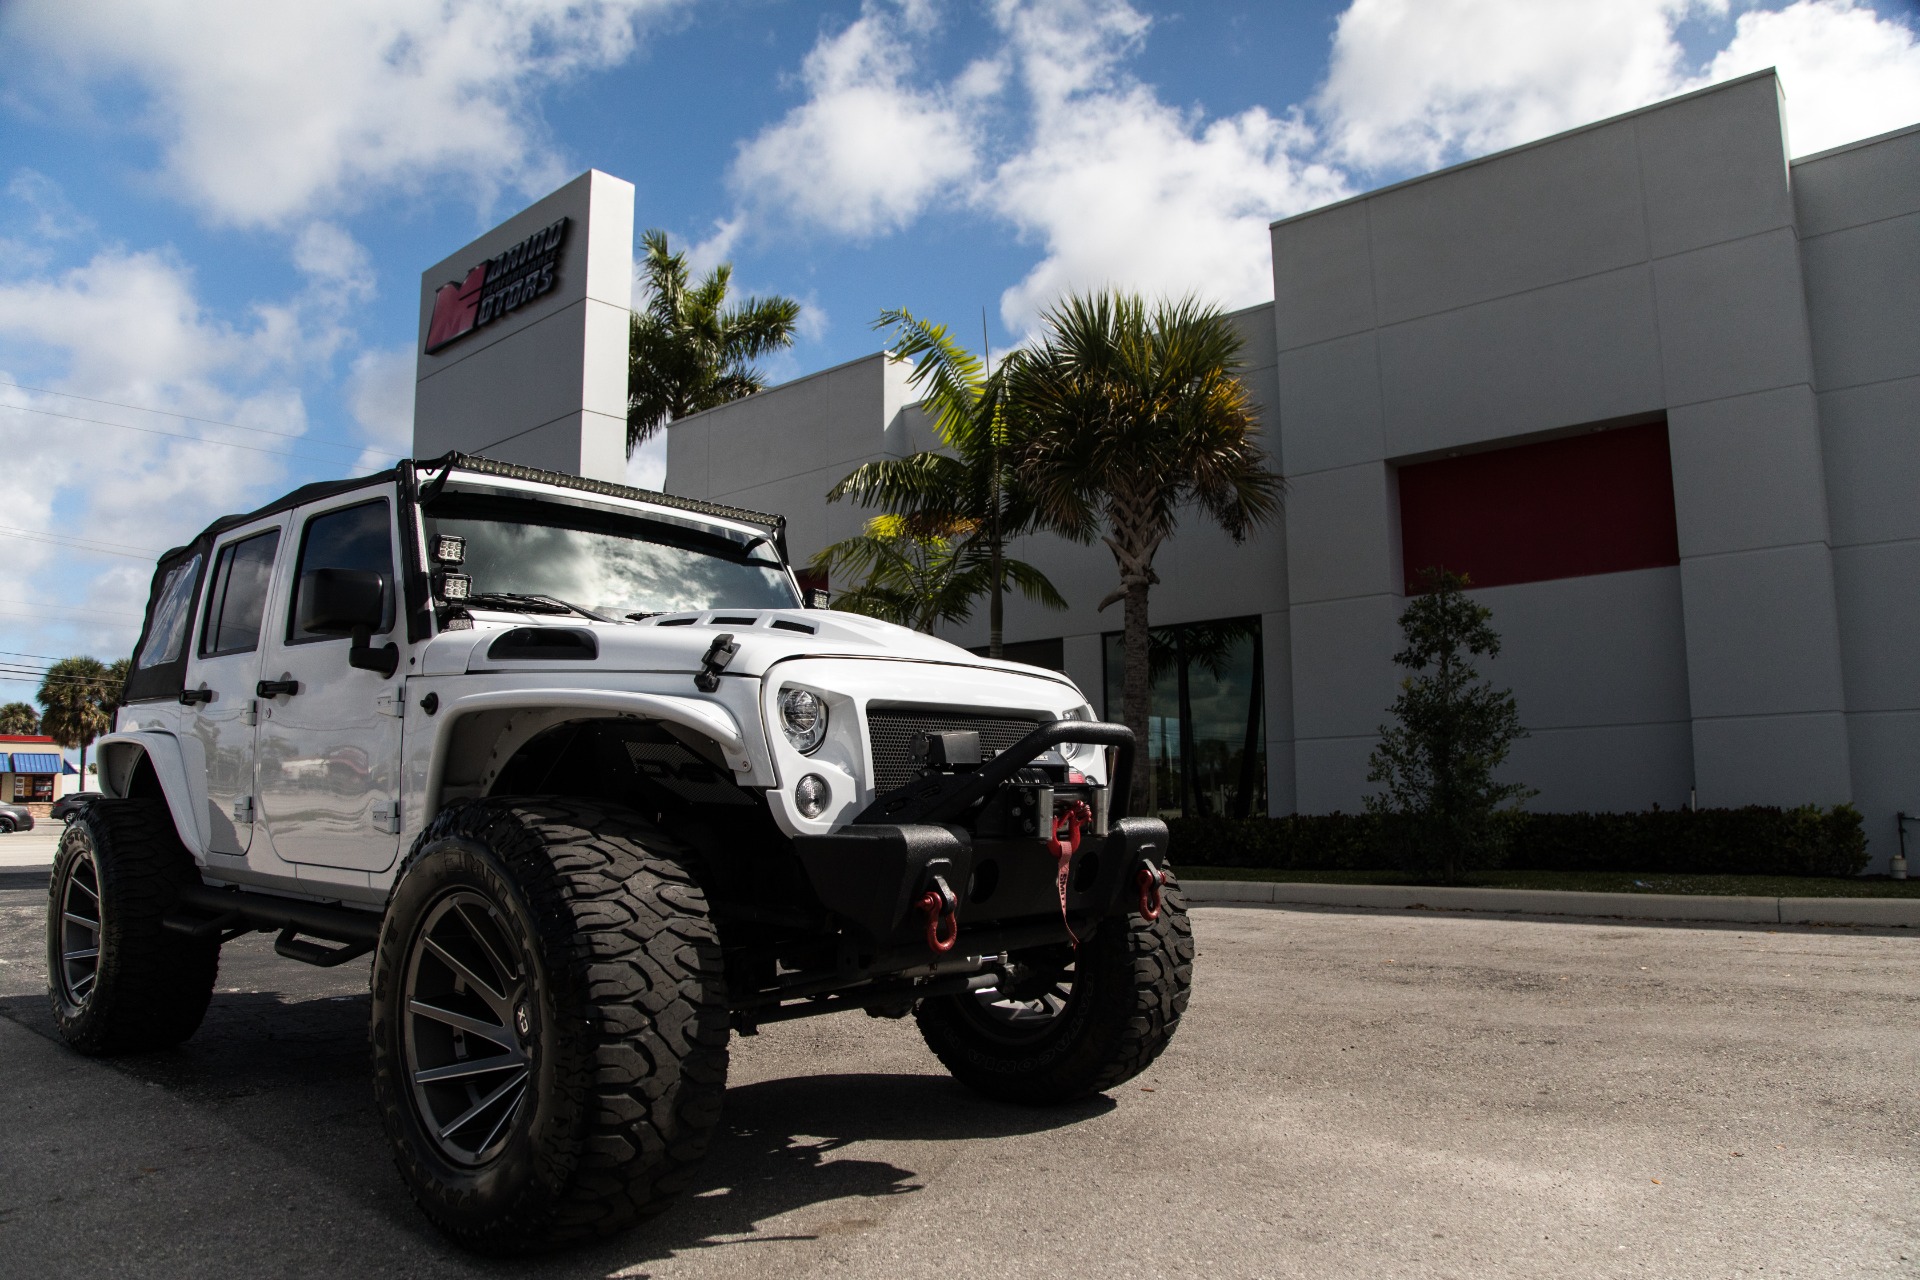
[(221, 214)]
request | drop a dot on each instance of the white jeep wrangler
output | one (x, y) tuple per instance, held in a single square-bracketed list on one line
[(579, 766)]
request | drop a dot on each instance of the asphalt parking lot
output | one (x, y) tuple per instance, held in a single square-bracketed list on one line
[(1352, 1094)]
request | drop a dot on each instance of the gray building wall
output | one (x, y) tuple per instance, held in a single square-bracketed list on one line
[(1642, 266), (1858, 210), (1668, 263)]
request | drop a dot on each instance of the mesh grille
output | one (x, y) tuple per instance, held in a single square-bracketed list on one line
[(891, 734)]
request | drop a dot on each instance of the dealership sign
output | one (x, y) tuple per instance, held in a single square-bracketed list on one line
[(496, 286)]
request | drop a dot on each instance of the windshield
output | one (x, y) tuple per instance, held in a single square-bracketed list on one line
[(608, 563)]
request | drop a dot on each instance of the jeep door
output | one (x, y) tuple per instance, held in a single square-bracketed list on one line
[(330, 732), (222, 676)]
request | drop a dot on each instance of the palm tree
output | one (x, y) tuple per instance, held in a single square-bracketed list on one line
[(1135, 414), (19, 717), (969, 493), (76, 693), (688, 350), (918, 578)]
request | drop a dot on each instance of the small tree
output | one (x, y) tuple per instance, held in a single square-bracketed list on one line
[(912, 577), (19, 717), (961, 504), (1451, 732)]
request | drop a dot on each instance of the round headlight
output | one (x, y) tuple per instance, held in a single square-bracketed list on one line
[(803, 718), (811, 794)]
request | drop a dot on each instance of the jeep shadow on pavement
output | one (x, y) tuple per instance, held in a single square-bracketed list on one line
[(597, 788)]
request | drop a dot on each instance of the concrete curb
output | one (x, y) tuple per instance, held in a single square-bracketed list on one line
[(1896, 912)]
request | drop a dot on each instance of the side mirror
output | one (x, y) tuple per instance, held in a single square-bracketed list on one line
[(349, 602), (341, 601)]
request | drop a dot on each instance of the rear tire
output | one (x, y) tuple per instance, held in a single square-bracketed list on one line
[(601, 1035), (1076, 1035), (6, 826), (118, 980)]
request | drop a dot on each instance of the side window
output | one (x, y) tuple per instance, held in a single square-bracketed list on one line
[(171, 617), (238, 599), (358, 538)]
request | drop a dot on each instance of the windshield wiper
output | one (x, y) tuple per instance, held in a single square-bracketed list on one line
[(532, 604)]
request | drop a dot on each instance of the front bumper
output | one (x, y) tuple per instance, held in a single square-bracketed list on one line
[(870, 875), (943, 830)]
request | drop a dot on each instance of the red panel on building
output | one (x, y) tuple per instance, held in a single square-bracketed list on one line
[(1597, 503)]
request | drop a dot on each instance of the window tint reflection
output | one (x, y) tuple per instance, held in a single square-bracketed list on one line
[(1206, 731), (605, 563), (239, 596)]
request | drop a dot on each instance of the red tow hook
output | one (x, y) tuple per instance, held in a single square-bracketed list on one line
[(1150, 880), (1073, 817), (941, 910)]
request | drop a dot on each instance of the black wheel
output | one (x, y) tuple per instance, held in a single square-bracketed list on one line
[(1076, 1021), (549, 1022), (6, 826), (118, 980)]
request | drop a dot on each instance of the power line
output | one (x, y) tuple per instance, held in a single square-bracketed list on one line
[(85, 544), (181, 435), (44, 678), (68, 608), (168, 413)]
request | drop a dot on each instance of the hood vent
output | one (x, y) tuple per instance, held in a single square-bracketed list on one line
[(545, 644)]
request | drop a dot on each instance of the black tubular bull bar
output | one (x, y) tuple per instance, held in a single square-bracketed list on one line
[(872, 872)]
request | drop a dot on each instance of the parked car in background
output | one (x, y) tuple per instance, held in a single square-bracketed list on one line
[(66, 806), (13, 818)]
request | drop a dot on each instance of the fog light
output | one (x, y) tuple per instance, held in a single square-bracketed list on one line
[(810, 795), (449, 548), (455, 586)]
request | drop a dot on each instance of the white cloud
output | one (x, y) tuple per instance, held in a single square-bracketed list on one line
[(1848, 72), (267, 113), (380, 395), (129, 327), (1413, 84), (865, 152), (704, 255), (333, 259), (647, 465), (1125, 190)]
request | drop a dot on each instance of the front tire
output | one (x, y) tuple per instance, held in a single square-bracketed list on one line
[(118, 979), (1075, 1028), (549, 1022)]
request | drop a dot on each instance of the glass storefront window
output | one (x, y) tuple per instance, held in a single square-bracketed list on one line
[(1206, 731), (32, 788)]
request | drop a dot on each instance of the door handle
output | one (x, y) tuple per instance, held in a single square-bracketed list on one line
[(274, 688), (190, 696)]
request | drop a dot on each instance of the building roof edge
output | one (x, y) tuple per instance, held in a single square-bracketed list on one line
[(1527, 146), (1856, 145)]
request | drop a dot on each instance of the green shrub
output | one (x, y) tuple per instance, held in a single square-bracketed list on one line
[(1757, 840)]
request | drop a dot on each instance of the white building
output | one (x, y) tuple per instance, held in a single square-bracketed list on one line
[(1655, 387)]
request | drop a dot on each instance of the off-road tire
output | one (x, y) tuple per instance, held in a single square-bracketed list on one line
[(626, 1008), (1129, 991), (150, 985)]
